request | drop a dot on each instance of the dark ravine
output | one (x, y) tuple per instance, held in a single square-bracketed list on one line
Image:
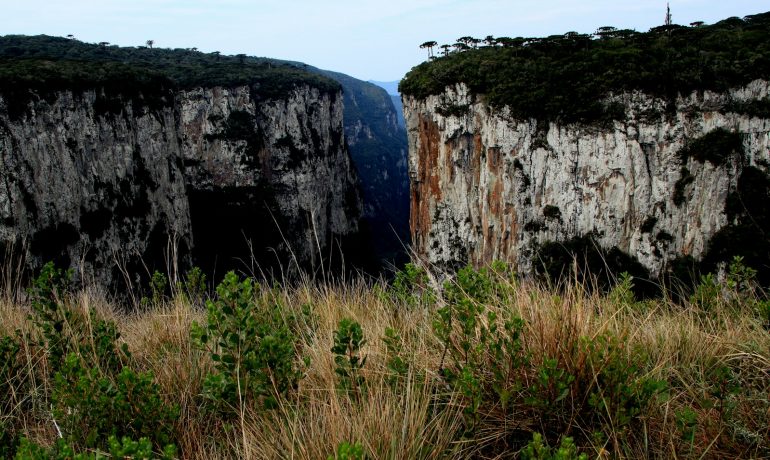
[(376, 136), (110, 180)]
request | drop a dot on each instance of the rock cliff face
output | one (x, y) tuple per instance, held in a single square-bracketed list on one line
[(659, 185), (220, 171)]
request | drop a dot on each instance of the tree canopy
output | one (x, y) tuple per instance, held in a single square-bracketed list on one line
[(43, 64), (567, 77)]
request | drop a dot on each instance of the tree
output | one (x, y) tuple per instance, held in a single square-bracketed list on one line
[(71, 37), (150, 43), (696, 24), (241, 58), (445, 49), (469, 42), (429, 45), (490, 40), (459, 46)]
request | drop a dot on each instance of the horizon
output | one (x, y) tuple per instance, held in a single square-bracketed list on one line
[(364, 41)]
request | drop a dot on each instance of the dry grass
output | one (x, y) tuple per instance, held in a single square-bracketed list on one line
[(419, 417)]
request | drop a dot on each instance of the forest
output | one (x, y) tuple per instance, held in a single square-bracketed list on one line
[(568, 77)]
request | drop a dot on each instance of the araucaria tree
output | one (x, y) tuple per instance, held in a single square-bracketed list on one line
[(429, 45)]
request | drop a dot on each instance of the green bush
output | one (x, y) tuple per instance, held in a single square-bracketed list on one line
[(195, 284), (251, 345), (619, 389), (116, 448), (348, 340), (538, 450), (397, 365), (91, 406), (411, 286)]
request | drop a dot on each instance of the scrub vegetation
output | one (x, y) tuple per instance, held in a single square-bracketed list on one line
[(485, 364)]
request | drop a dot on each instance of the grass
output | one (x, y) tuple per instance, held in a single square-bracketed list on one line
[(713, 359)]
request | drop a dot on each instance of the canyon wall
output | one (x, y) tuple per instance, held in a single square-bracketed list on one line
[(660, 183), (107, 184)]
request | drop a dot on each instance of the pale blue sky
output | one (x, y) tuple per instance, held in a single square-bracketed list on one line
[(368, 40)]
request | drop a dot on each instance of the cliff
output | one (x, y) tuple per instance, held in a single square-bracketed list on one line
[(487, 187), (659, 183), (106, 171)]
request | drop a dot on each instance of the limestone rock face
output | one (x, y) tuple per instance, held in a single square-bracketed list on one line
[(485, 186), (213, 171)]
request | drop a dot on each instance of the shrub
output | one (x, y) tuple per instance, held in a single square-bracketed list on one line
[(50, 315), (195, 284), (397, 366), (620, 391), (92, 406), (251, 345), (685, 179), (116, 448), (411, 286), (537, 450), (348, 340)]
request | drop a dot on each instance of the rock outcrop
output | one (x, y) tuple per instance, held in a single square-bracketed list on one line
[(660, 184), (109, 185)]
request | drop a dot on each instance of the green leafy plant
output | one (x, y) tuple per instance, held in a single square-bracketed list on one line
[(537, 449), (506, 356), (50, 316), (687, 423), (348, 340), (411, 286), (623, 292), (116, 448), (195, 284), (551, 386), (251, 345), (397, 365), (91, 406), (707, 293), (158, 286), (620, 391), (347, 451)]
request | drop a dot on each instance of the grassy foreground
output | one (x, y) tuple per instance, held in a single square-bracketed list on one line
[(485, 366)]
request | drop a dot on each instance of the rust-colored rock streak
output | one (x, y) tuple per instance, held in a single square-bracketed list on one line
[(425, 187)]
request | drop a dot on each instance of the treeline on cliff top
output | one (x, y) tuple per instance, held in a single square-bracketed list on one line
[(566, 77), (45, 63)]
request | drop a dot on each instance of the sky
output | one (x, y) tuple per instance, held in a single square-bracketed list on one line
[(367, 40)]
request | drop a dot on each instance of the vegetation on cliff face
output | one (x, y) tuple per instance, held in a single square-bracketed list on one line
[(486, 365), (567, 77), (46, 64)]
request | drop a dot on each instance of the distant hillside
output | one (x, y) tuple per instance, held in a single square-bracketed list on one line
[(390, 86)]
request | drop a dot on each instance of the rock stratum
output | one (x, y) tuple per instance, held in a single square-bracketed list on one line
[(119, 178), (666, 183)]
